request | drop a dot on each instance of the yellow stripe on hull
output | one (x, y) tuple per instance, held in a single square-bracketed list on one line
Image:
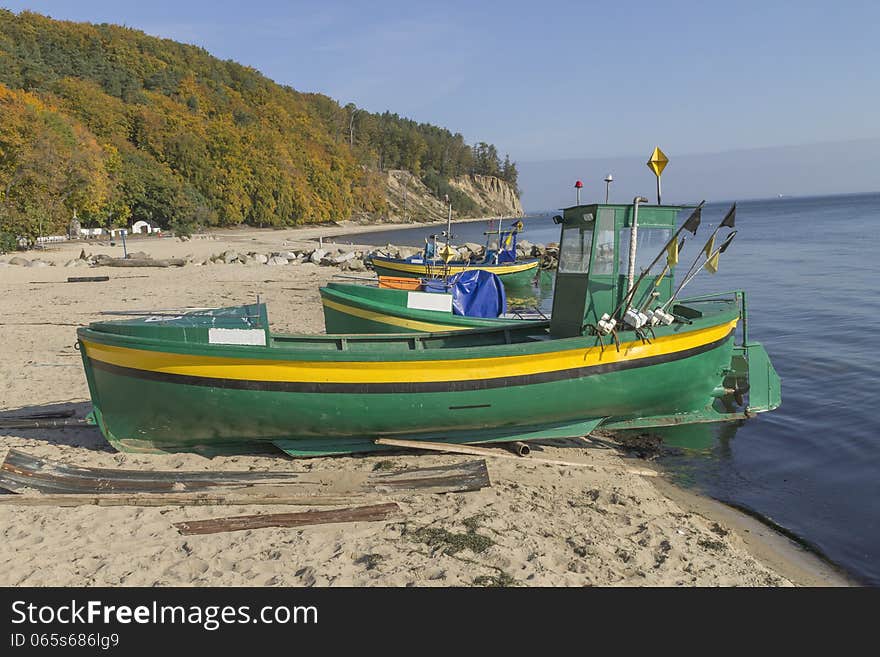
[(253, 369), (382, 318), (500, 270)]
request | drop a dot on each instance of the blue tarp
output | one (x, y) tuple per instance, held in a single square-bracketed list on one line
[(475, 293)]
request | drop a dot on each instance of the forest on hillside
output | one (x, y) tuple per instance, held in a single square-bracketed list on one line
[(119, 125)]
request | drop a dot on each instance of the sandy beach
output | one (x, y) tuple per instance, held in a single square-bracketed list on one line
[(537, 525)]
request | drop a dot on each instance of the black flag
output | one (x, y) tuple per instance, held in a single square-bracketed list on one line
[(693, 222), (730, 217), (726, 242)]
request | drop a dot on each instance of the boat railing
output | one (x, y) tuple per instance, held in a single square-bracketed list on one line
[(739, 296)]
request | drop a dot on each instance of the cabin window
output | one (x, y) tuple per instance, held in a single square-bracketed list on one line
[(574, 251), (603, 261), (650, 243)]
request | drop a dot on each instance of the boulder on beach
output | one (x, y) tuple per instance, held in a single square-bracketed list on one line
[(19, 261), (344, 257), (356, 264)]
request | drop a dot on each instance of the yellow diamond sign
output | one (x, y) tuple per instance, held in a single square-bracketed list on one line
[(447, 253), (658, 161)]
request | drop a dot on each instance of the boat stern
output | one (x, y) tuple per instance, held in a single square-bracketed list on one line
[(754, 374)]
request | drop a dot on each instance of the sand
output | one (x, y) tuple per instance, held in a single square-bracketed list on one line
[(537, 525)]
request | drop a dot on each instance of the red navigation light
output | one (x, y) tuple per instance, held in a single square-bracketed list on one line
[(579, 184)]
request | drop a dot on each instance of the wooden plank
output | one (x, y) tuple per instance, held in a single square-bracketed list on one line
[(253, 496), (87, 279), (239, 523), (456, 478), (140, 262), (18, 415), (43, 424), (482, 451), (20, 470), (65, 485)]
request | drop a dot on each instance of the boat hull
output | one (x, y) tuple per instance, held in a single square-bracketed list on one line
[(517, 273), (156, 395), (361, 309)]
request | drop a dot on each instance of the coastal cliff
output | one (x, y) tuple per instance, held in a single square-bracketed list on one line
[(493, 195), (409, 199)]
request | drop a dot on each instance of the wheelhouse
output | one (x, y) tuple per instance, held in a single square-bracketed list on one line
[(594, 261)]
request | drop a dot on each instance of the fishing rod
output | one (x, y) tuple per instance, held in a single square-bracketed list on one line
[(660, 314), (653, 294), (729, 221), (710, 258), (606, 324)]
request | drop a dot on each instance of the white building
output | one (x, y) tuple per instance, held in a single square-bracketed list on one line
[(145, 227)]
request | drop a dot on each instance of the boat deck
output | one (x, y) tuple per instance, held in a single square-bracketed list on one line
[(248, 330)]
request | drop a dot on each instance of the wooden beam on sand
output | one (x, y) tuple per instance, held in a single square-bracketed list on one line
[(140, 262), (482, 451), (239, 523), (66, 485), (48, 423), (21, 471), (253, 496)]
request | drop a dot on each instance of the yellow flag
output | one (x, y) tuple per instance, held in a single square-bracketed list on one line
[(672, 254), (710, 246), (712, 264)]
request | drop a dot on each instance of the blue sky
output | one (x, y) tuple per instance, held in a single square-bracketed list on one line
[(552, 80)]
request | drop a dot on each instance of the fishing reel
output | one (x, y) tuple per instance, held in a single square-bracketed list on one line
[(660, 316), (635, 318), (606, 324)]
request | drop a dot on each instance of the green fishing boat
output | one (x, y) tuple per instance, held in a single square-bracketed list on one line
[(352, 308), (220, 381)]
